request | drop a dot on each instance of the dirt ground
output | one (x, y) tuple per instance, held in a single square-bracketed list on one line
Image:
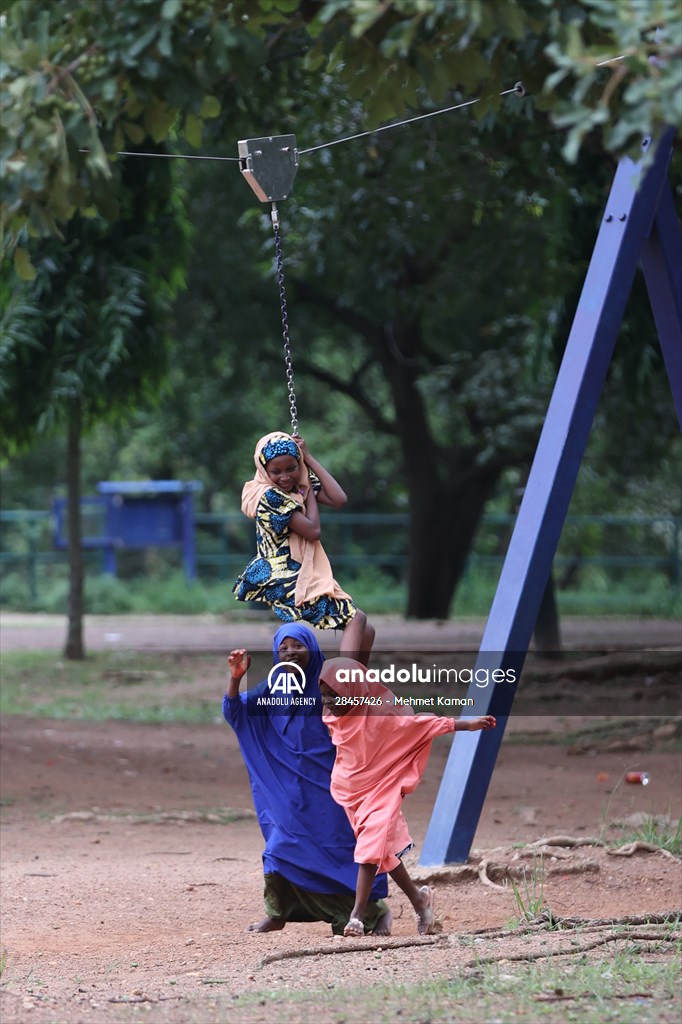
[(131, 855)]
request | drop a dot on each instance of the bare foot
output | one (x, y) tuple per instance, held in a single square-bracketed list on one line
[(354, 928), (384, 924), (268, 924), (425, 915)]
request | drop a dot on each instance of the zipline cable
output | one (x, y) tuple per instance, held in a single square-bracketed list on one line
[(174, 156), (518, 90)]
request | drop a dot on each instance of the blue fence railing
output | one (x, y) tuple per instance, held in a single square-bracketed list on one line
[(224, 542)]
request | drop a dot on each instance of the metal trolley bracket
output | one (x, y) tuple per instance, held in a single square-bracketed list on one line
[(269, 165)]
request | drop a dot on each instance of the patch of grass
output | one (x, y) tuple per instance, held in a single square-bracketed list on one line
[(613, 728), (664, 834), (659, 830), (99, 687), (653, 603), (646, 595), (533, 738), (622, 988), (376, 592), (207, 816), (531, 901), (164, 589)]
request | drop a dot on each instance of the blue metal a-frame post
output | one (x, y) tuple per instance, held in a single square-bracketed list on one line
[(639, 223)]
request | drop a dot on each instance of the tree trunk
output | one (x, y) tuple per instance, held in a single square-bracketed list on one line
[(448, 492), (547, 631), (442, 529), (74, 649)]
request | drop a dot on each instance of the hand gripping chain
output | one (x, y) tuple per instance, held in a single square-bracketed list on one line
[(293, 413)]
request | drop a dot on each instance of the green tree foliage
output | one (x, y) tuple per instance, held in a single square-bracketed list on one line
[(563, 52), (433, 273), (81, 81), (86, 338), (408, 251), (432, 269)]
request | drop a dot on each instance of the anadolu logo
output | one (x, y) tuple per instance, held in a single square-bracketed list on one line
[(286, 677)]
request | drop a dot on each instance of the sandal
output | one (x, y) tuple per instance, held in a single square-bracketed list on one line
[(425, 919), (354, 928)]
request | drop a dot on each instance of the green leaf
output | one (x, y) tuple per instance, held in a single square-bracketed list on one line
[(158, 118), (165, 44), (133, 106), (314, 59), (140, 44), (135, 132), (23, 265), (109, 89), (210, 107), (97, 159), (170, 9), (365, 17), (193, 130)]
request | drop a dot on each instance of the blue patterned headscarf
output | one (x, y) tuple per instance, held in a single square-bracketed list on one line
[(278, 446)]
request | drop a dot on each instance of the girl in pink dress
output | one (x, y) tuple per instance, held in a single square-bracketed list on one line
[(381, 754)]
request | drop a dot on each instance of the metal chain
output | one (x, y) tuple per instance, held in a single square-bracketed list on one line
[(293, 413)]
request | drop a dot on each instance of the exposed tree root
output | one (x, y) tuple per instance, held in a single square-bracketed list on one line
[(144, 999), (556, 998), (367, 947), (574, 950), (483, 876), (568, 841), (630, 848), (559, 847), (547, 920), (584, 867), (488, 871), (545, 851)]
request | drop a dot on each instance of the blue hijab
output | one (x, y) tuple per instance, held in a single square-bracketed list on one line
[(289, 757)]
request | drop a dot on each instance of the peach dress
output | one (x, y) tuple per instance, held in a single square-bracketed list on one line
[(381, 754)]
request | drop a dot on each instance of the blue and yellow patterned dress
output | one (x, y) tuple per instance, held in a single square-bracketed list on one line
[(270, 577)]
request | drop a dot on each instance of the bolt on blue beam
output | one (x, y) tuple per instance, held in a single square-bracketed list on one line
[(627, 221)]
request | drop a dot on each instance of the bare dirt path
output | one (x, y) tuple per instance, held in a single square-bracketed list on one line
[(131, 858), (19, 631)]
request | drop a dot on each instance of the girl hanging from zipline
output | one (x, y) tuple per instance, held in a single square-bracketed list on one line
[(291, 571)]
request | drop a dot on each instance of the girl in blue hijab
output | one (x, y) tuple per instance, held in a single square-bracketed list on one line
[(308, 862)]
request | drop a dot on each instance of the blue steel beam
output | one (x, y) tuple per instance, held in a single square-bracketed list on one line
[(627, 220), (662, 266)]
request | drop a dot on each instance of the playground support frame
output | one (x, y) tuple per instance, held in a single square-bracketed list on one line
[(639, 223)]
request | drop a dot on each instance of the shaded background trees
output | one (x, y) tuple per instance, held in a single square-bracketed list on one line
[(433, 270), (86, 340)]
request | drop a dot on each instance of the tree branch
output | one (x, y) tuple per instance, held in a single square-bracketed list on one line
[(352, 389)]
